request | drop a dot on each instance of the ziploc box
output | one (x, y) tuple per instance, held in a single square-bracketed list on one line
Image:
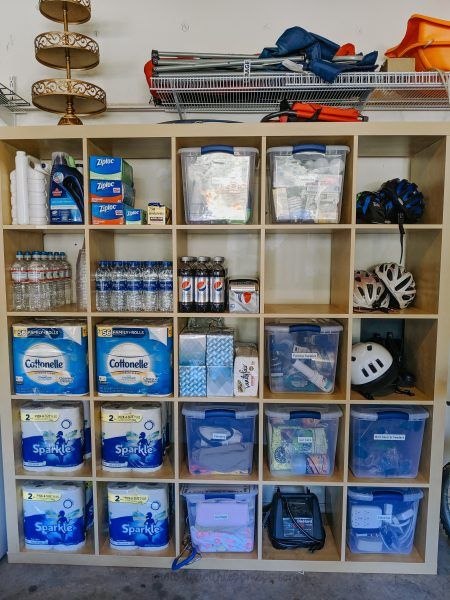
[(134, 358), (135, 216), (108, 214), (110, 168), (111, 191), (50, 358), (246, 370)]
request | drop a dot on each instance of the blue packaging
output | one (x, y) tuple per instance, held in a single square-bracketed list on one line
[(50, 358), (89, 505), (66, 196), (134, 358), (110, 167), (192, 347), (220, 348), (220, 381), (192, 381), (110, 191), (108, 214), (135, 216)]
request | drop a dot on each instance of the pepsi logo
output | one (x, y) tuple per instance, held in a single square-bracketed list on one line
[(201, 285), (186, 286), (218, 286)]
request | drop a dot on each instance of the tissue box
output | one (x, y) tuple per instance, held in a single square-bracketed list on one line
[(220, 348), (220, 381), (243, 295), (110, 191), (158, 214), (135, 216), (192, 381), (108, 214), (110, 168), (246, 370), (192, 348)]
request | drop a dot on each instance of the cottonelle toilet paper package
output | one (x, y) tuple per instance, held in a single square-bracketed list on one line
[(53, 516), (132, 437), (135, 358), (50, 358), (52, 436), (138, 516)]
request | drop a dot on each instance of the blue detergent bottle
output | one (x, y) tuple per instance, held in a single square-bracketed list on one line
[(66, 191)]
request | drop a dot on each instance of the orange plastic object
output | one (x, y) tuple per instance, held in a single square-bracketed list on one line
[(346, 50), (428, 41), (327, 113)]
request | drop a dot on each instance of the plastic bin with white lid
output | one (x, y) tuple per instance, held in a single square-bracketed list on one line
[(382, 520), (218, 184), (220, 438), (221, 518), (302, 355), (307, 182), (301, 440), (386, 441)]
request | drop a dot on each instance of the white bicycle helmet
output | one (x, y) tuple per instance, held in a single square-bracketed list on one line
[(368, 291), (374, 371), (399, 282)]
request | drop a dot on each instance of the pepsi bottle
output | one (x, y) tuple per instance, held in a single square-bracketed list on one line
[(202, 284), (186, 284), (217, 285)]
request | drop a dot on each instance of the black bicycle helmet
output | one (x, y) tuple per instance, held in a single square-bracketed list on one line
[(369, 208)]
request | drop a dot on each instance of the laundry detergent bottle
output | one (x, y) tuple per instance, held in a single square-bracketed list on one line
[(66, 190)]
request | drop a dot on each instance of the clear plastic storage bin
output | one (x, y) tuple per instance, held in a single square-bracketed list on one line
[(382, 520), (218, 184), (220, 438), (302, 356), (307, 182), (386, 441), (221, 518), (301, 440)]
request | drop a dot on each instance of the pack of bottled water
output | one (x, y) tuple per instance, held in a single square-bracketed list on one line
[(134, 286)]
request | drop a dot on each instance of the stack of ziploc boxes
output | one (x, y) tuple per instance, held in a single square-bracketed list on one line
[(111, 192)]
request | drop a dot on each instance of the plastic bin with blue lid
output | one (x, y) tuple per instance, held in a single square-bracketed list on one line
[(302, 356), (301, 440), (386, 441), (382, 520), (218, 184), (220, 438), (307, 181), (221, 518)]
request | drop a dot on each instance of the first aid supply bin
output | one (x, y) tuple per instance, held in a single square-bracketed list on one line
[(218, 184), (221, 518), (302, 356), (307, 182), (386, 441), (382, 520), (220, 438), (301, 440)]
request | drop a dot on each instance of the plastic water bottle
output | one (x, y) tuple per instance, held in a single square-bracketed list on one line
[(118, 287), (36, 286), (102, 287), (52, 276), (133, 296), (19, 276), (68, 276), (60, 279), (81, 280), (166, 287), (150, 286)]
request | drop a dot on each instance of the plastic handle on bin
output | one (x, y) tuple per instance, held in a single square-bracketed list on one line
[(220, 412), (219, 496), (304, 414), (309, 148), (387, 495), (217, 148), (393, 414), (304, 327)]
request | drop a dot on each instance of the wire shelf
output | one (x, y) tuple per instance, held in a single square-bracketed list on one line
[(12, 101), (263, 93)]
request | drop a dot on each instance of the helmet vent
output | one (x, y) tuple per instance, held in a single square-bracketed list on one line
[(372, 368), (365, 373), (378, 361)]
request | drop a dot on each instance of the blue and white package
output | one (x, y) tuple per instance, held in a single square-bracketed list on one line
[(110, 167), (134, 358), (50, 358), (53, 516), (220, 381), (192, 347), (87, 443), (220, 348), (111, 191), (192, 381), (138, 516), (52, 436), (132, 437), (89, 505)]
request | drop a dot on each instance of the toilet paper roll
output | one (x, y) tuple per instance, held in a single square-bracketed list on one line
[(138, 516), (54, 516), (117, 434), (52, 436), (147, 428)]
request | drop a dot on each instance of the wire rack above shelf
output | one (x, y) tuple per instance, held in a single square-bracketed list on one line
[(12, 101), (263, 93)]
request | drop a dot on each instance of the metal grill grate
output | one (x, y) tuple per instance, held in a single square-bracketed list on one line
[(263, 93), (12, 101)]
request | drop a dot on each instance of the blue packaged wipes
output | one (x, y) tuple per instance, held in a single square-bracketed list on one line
[(50, 358), (134, 358)]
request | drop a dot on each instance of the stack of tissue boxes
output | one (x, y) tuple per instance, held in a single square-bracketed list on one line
[(206, 358)]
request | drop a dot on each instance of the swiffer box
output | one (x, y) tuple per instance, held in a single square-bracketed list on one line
[(110, 191), (110, 168), (108, 214)]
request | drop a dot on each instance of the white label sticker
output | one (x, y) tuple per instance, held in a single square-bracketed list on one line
[(385, 518), (390, 437), (219, 436), (305, 355), (221, 517), (304, 439)]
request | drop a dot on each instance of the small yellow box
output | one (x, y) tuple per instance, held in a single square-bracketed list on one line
[(399, 65), (158, 214)]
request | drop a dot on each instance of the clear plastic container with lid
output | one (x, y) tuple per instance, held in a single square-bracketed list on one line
[(220, 438), (221, 518), (218, 184), (302, 356), (382, 520), (306, 182), (386, 441), (301, 440)]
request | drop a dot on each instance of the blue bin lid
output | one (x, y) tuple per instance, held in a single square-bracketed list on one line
[(380, 412), (211, 492), (301, 411), (309, 325), (309, 149), (233, 411), (385, 494)]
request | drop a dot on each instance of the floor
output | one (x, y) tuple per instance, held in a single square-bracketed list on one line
[(38, 582)]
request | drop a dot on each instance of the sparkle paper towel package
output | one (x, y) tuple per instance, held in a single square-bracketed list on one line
[(134, 358), (132, 437), (89, 505), (246, 370), (54, 516), (138, 516), (50, 358), (52, 436)]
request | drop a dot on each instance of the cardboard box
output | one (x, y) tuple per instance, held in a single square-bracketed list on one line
[(243, 295), (135, 216), (108, 214), (399, 65), (110, 168), (110, 191), (246, 370), (158, 214)]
